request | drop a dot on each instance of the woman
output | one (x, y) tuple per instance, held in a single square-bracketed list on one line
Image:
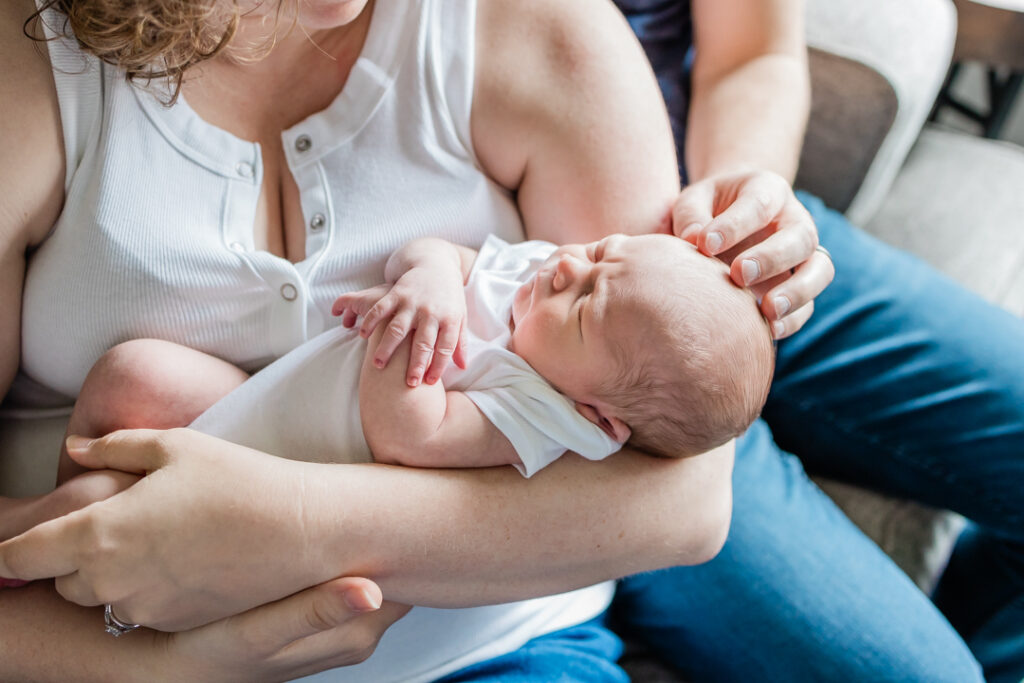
[(212, 228)]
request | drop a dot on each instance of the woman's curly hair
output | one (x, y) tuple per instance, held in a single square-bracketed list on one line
[(147, 39)]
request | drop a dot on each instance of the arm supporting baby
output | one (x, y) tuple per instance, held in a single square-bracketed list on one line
[(578, 131)]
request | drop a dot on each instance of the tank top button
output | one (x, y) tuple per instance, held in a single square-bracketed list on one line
[(317, 222), (288, 292), (303, 143), (244, 169)]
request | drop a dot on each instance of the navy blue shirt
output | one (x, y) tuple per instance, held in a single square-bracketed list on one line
[(665, 29)]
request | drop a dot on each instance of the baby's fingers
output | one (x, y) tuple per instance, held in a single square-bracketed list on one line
[(448, 340), (422, 351), (397, 330), (354, 304), (380, 311)]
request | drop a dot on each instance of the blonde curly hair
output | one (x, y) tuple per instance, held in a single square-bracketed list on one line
[(147, 39)]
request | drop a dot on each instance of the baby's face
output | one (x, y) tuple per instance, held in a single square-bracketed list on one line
[(567, 316)]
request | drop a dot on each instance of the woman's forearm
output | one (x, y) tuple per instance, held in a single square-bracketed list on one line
[(752, 116), (469, 537), (47, 639)]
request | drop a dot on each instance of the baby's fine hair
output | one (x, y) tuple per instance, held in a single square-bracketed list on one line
[(701, 375)]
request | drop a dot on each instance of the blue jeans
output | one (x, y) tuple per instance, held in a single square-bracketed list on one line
[(902, 382)]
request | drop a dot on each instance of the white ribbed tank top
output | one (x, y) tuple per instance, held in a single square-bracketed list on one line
[(156, 240), (156, 235)]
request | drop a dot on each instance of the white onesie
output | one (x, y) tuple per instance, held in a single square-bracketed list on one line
[(305, 406)]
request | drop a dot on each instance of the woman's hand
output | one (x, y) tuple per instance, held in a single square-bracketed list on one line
[(213, 529), (753, 221), (427, 302), (335, 624)]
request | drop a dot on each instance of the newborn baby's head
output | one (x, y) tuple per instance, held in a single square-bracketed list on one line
[(650, 338)]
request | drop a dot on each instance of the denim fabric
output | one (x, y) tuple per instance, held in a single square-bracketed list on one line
[(664, 28), (581, 654), (903, 382)]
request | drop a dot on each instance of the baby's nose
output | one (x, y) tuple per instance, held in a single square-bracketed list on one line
[(568, 270)]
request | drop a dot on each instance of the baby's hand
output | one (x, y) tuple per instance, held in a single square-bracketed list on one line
[(425, 300)]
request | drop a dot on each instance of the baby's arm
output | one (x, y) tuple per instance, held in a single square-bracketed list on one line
[(424, 426), (438, 428), (423, 293)]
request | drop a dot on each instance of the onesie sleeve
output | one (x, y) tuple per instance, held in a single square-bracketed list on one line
[(540, 423)]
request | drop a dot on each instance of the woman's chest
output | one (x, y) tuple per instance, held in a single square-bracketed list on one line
[(170, 247)]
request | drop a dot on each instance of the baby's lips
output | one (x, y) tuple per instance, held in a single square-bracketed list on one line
[(12, 583)]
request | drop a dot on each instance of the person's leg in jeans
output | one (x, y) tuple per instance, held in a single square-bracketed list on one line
[(904, 382), (797, 593)]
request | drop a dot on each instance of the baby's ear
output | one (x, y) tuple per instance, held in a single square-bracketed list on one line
[(609, 424)]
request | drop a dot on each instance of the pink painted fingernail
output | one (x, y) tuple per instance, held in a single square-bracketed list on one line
[(12, 583)]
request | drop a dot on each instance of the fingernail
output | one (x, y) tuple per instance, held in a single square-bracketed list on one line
[(12, 583), (359, 600), (713, 242), (77, 443), (414, 381), (778, 328), (781, 305), (750, 269), (377, 362)]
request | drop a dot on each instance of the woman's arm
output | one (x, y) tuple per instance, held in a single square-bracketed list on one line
[(577, 128), (31, 169), (749, 103)]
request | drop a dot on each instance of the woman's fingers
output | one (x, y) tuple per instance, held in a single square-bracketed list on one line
[(308, 612), (758, 202), (132, 450), (75, 589), (44, 551), (421, 352)]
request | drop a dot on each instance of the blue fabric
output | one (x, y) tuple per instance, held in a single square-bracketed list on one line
[(903, 382), (665, 30), (581, 654)]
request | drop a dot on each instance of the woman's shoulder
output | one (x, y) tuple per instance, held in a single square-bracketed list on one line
[(31, 141)]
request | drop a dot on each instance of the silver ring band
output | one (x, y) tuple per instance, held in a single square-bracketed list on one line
[(824, 251), (115, 626)]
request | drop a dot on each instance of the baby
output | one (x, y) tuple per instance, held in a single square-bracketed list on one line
[(582, 347)]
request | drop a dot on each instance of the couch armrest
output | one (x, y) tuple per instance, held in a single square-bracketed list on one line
[(910, 43)]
